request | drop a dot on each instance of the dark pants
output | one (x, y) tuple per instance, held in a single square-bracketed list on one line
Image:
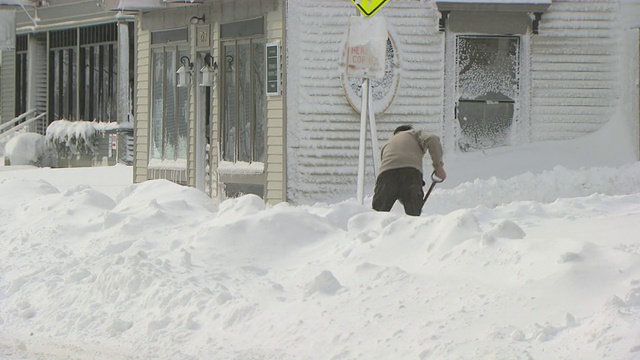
[(404, 185)]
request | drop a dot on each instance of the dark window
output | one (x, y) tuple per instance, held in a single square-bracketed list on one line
[(242, 28), (83, 73), (62, 74), (21, 75), (169, 36), (98, 77)]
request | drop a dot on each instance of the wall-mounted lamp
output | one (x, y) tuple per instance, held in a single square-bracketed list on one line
[(537, 16), (229, 62), (184, 72), (209, 72), (197, 20), (442, 22)]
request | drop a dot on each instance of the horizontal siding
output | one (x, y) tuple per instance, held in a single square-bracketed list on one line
[(141, 161), (275, 165), (7, 85), (573, 69), (323, 142)]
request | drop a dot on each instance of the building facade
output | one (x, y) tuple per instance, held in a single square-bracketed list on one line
[(282, 120), (252, 96), (71, 60), (225, 138)]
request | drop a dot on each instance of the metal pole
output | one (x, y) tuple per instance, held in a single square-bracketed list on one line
[(375, 150), (363, 139)]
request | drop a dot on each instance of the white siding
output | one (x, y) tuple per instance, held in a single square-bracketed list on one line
[(141, 159), (574, 70), (322, 128), (275, 165), (7, 87)]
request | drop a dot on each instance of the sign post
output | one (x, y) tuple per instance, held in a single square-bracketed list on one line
[(365, 53)]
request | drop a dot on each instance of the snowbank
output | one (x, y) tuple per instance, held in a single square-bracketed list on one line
[(510, 269)]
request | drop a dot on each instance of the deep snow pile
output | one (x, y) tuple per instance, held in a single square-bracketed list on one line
[(503, 270)]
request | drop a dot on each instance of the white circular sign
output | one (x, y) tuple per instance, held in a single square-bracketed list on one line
[(383, 90)]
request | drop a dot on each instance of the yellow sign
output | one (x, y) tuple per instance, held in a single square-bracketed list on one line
[(368, 8)]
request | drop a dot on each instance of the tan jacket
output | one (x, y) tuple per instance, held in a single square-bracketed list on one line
[(407, 148)]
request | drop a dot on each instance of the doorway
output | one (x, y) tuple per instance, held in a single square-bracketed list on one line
[(203, 127)]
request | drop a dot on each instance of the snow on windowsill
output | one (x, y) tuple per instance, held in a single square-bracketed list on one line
[(157, 164), (240, 168)]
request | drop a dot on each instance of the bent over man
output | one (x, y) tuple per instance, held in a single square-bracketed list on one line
[(400, 175)]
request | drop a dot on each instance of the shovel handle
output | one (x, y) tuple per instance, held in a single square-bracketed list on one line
[(434, 181)]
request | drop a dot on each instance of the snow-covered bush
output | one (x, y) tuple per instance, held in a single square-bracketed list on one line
[(72, 138), (30, 149)]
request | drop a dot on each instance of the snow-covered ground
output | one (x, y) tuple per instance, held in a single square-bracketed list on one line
[(542, 265)]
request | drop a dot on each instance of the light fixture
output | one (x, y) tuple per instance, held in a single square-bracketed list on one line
[(536, 22), (197, 20), (229, 62), (134, 5), (209, 72), (442, 22), (184, 72)]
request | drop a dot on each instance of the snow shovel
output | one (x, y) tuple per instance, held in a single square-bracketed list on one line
[(434, 181)]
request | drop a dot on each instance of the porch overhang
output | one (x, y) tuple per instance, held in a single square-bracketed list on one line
[(532, 8), (528, 6), (147, 5)]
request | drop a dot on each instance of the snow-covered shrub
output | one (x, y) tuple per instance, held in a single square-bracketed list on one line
[(30, 149), (73, 138)]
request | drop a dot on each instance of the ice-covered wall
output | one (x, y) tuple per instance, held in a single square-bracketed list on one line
[(573, 83), (322, 127), (574, 69)]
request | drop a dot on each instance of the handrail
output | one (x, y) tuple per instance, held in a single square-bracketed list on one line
[(21, 125), (16, 120)]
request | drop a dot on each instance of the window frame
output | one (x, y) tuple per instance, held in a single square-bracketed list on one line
[(474, 134), (21, 79)]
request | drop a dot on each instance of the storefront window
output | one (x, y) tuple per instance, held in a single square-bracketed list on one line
[(244, 109), (170, 106)]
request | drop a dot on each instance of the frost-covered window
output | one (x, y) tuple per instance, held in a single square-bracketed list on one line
[(487, 87), (170, 106), (244, 99)]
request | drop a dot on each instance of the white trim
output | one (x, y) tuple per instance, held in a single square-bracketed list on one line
[(240, 168), (66, 24)]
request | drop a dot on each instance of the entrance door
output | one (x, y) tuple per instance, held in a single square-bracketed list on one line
[(487, 88), (203, 127)]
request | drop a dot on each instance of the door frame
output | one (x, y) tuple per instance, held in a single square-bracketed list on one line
[(521, 127)]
